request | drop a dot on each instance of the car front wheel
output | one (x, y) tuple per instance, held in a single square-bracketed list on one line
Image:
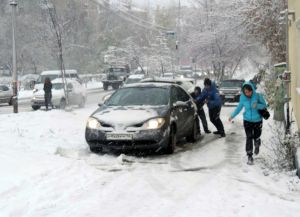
[(194, 133), (172, 141)]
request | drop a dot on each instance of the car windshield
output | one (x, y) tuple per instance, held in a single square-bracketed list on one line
[(153, 96), (58, 86), (229, 84)]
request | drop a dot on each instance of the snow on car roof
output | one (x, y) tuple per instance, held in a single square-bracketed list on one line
[(137, 76), (150, 84), (59, 80), (55, 72), (166, 80)]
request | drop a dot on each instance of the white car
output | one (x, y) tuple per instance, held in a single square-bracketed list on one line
[(134, 79), (76, 94), (5, 94)]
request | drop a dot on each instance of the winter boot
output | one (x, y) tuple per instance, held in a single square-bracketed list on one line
[(250, 160), (207, 131), (216, 132)]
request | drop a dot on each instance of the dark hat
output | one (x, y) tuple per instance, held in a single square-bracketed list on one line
[(207, 82), (198, 89)]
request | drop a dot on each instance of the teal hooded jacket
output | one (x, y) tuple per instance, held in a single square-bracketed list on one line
[(251, 113)]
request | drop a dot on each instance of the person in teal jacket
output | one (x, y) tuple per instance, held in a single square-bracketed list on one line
[(252, 102)]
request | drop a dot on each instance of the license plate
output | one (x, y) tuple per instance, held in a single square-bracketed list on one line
[(119, 136), (229, 97)]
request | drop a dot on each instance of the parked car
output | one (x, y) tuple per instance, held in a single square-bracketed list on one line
[(5, 94), (230, 90), (143, 116), (133, 79), (54, 74), (76, 94)]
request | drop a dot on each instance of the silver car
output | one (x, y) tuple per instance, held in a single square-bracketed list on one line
[(5, 94)]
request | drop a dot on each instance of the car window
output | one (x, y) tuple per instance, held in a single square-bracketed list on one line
[(182, 95), (58, 86), (231, 84), (139, 96), (178, 94)]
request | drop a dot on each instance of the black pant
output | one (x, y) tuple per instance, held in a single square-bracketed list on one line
[(214, 116), (202, 117), (253, 133), (48, 97)]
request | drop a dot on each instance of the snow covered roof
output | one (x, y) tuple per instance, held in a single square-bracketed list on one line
[(57, 72)]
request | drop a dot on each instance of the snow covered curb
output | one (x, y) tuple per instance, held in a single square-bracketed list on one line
[(297, 161)]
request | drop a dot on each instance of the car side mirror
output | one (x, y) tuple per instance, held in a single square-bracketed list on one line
[(100, 104)]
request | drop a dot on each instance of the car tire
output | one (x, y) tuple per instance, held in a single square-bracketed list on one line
[(82, 102), (10, 101), (62, 104), (194, 134), (35, 107), (105, 86), (115, 86), (96, 149), (172, 141)]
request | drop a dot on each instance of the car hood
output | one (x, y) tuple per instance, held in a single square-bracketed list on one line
[(121, 117)]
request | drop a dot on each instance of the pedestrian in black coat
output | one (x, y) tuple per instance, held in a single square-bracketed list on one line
[(200, 109), (48, 92)]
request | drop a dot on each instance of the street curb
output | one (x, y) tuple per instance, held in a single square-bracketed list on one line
[(297, 161)]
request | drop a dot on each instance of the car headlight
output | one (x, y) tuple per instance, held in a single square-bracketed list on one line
[(35, 90), (221, 92), (155, 123), (93, 123), (34, 98)]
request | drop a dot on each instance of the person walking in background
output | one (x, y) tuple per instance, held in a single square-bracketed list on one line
[(252, 102), (200, 109), (210, 96), (48, 92)]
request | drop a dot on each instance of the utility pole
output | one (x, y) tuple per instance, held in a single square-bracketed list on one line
[(14, 58)]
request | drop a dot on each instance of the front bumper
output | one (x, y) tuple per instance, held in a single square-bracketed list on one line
[(141, 140), (37, 102)]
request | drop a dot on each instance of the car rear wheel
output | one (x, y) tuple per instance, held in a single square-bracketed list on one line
[(82, 102), (105, 86), (172, 141), (194, 133), (62, 104), (115, 86), (36, 107), (10, 101)]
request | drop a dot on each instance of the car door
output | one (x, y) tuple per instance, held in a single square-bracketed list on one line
[(188, 110), (176, 111)]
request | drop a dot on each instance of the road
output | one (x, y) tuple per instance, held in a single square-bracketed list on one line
[(25, 106)]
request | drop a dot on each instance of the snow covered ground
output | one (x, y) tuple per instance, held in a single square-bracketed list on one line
[(46, 169)]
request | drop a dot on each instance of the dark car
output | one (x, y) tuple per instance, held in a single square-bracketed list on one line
[(143, 116), (230, 90)]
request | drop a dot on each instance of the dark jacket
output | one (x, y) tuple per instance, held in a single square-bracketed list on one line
[(47, 88), (212, 95), (198, 103)]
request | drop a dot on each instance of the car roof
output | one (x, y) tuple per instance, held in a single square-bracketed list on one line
[(60, 80), (137, 76), (55, 72), (150, 84), (166, 80)]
